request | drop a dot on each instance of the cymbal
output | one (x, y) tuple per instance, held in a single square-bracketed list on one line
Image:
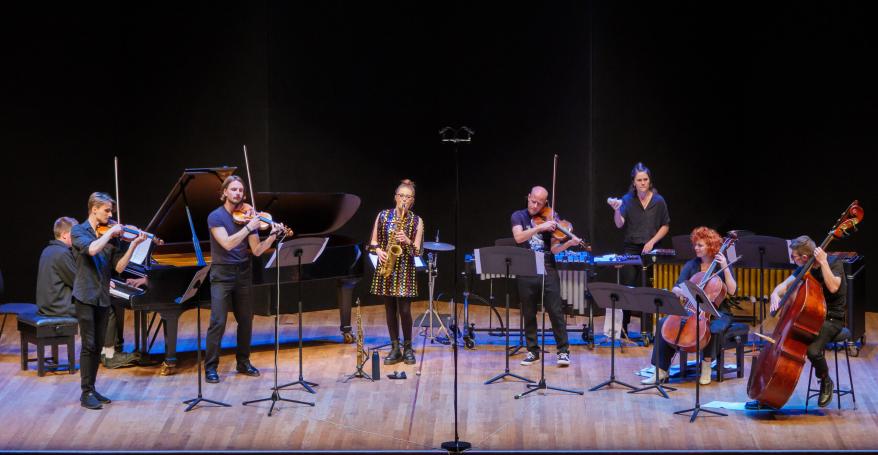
[(438, 246)]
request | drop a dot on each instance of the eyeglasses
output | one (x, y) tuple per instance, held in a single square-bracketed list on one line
[(405, 196)]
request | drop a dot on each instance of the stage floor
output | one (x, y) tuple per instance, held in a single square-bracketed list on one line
[(413, 414)]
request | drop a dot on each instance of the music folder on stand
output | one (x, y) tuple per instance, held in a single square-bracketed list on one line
[(656, 301), (702, 303), (506, 261), (194, 285), (612, 297), (297, 252)]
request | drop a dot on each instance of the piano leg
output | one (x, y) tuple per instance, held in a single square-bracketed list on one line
[(171, 319), (345, 289)]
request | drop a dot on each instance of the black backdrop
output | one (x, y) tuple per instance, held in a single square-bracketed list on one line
[(754, 117)]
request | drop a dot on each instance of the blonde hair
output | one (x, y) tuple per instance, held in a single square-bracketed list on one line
[(98, 199), (407, 184)]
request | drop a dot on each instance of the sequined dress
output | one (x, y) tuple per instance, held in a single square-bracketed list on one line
[(401, 282)]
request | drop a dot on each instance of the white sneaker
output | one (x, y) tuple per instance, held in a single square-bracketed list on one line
[(563, 359), (662, 376), (705, 373)]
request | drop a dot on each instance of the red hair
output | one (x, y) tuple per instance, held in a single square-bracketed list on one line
[(711, 239)]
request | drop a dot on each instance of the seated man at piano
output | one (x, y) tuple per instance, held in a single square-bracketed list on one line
[(56, 272), (230, 274), (707, 243), (834, 286)]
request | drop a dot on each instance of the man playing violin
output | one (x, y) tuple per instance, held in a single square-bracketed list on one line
[(230, 276), (831, 279), (538, 237), (96, 258)]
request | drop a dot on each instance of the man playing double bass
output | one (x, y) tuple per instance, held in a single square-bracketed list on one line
[(831, 279)]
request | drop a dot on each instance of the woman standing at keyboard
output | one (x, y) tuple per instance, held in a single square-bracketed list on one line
[(643, 213)]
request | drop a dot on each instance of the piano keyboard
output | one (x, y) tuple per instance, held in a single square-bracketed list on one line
[(123, 291)]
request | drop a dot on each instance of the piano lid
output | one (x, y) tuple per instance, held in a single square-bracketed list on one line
[(200, 189), (309, 213)]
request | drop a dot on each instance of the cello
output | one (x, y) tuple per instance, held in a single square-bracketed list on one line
[(682, 334), (776, 371)]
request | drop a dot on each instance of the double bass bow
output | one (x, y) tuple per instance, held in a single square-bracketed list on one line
[(776, 371)]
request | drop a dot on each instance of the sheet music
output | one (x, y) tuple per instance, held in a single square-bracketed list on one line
[(141, 252), (280, 248)]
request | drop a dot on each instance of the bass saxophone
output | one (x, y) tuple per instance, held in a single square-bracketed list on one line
[(394, 250)]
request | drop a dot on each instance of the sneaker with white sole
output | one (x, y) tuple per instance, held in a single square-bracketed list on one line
[(662, 376), (530, 358), (563, 359)]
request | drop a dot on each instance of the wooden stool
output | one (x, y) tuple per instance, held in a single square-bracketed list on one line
[(45, 331)]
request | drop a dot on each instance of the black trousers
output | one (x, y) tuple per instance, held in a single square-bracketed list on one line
[(827, 332), (229, 291), (632, 275), (92, 330), (115, 326), (398, 311), (530, 292), (663, 352)]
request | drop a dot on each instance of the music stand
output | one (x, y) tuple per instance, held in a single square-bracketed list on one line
[(194, 286), (506, 261), (284, 256), (305, 251), (761, 252), (609, 296), (701, 302), (657, 301)]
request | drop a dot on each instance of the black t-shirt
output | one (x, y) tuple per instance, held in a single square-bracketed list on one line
[(836, 304), (541, 241), (219, 255), (642, 224), (91, 285)]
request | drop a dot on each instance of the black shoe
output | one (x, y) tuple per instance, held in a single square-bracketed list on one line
[(826, 387), (408, 354), (395, 355), (755, 405), (101, 398), (246, 368), (90, 401), (120, 360), (211, 376)]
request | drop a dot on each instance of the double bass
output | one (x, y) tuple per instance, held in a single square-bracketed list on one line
[(682, 334), (776, 371)]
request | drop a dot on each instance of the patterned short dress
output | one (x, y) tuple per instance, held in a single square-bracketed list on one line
[(401, 282)]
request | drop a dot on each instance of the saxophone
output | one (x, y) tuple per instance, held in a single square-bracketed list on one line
[(394, 250), (361, 351)]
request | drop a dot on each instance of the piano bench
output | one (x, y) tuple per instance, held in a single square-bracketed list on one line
[(45, 331)]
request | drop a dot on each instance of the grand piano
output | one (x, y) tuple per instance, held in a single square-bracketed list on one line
[(181, 222)]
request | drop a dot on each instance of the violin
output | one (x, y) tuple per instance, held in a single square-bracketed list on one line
[(129, 232), (564, 228), (245, 213)]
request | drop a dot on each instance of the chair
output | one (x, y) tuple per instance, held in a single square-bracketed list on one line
[(12, 308), (839, 342), (43, 331), (734, 337)]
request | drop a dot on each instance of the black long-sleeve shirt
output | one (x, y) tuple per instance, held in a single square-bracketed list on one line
[(92, 283), (55, 276)]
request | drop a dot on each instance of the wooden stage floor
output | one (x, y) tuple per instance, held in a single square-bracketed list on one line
[(415, 414)]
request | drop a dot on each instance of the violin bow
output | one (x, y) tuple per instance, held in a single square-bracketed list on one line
[(116, 176), (554, 177), (249, 178)]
